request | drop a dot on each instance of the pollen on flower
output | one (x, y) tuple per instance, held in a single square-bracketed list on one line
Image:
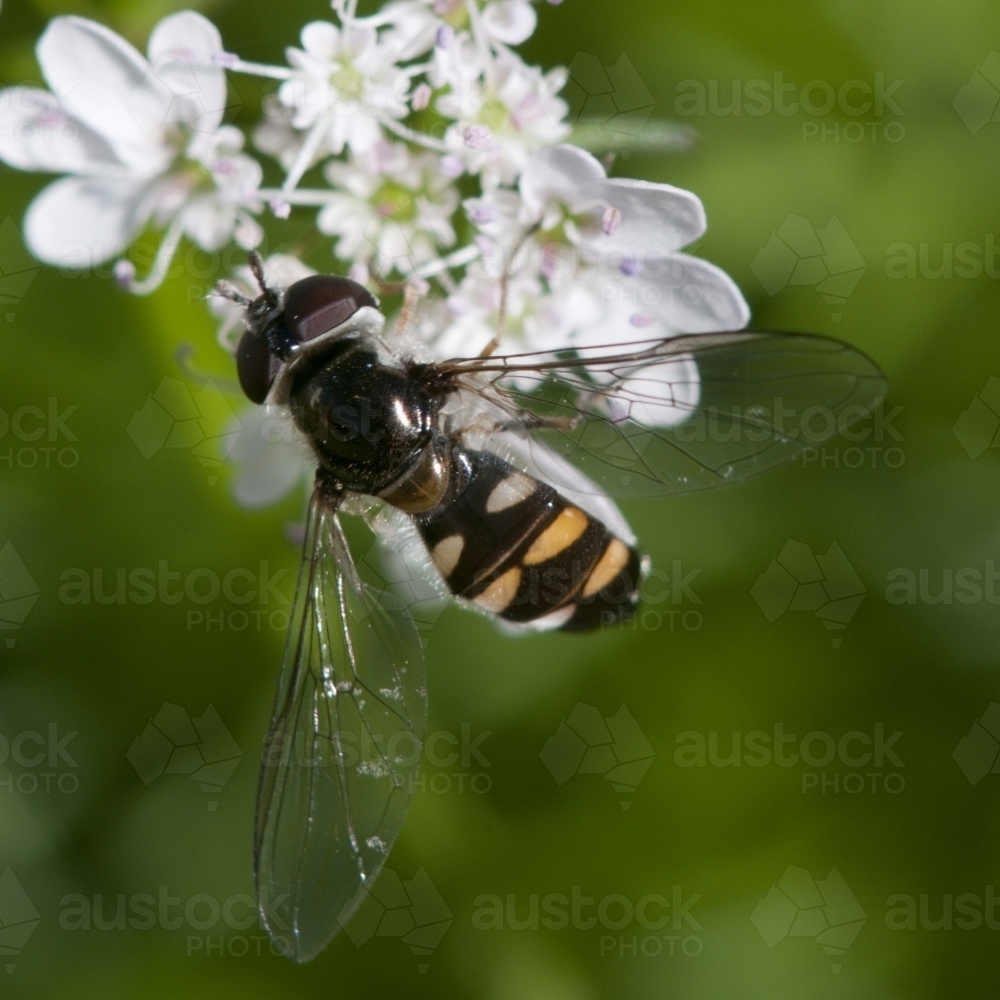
[(478, 136), (421, 97), (279, 207), (482, 215), (124, 272), (452, 166)]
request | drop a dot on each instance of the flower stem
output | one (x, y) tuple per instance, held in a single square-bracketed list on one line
[(299, 196), (411, 136), (164, 255)]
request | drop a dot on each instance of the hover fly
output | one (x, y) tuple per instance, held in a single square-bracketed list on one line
[(504, 467)]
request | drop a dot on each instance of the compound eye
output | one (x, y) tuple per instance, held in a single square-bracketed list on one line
[(256, 367), (317, 304)]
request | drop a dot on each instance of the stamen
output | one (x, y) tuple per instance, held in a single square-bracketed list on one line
[(300, 196), (164, 255), (231, 61), (458, 259)]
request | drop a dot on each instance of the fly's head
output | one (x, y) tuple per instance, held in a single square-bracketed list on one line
[(283, 328)]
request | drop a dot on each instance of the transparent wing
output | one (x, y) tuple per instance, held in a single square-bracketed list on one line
[(344, 745), (685, 414)]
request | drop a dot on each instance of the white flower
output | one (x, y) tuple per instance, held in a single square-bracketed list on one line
[(344, 82), (393, 209), (415, 24), (614, 241), (605, 266), (501, 122), (566, 191), (275, 134), (141, 139)]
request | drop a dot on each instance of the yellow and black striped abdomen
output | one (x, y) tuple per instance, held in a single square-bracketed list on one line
[(514, 546)]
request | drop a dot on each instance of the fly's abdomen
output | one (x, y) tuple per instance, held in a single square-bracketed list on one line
[(517, 548)]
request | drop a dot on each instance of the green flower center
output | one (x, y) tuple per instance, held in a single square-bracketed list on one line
[(453, 12), (196, 176), (393, 201), (348, 81), (494, 115)]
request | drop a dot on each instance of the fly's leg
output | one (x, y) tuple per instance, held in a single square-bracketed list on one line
[(504, 289), (536, 423), (413, 292)]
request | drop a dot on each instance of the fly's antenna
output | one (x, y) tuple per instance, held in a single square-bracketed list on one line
[(504, 290), (229, 291), (263, 314), (256, 263)]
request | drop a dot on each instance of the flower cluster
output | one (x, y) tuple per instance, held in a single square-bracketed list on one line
[(388, 118)]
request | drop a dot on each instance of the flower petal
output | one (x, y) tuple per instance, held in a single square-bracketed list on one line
[(357, 40), (510, 21), (81, 221), (182, 49), (36, 133), (271, 462), (664, 395), (691, 295), (656, 218), (321, 39), (110, 87), (209, 221), (558, 173)]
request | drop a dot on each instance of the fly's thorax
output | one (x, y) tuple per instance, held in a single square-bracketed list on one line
[(366, 417)]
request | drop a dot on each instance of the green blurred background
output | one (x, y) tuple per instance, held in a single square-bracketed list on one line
[(923, 175)]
